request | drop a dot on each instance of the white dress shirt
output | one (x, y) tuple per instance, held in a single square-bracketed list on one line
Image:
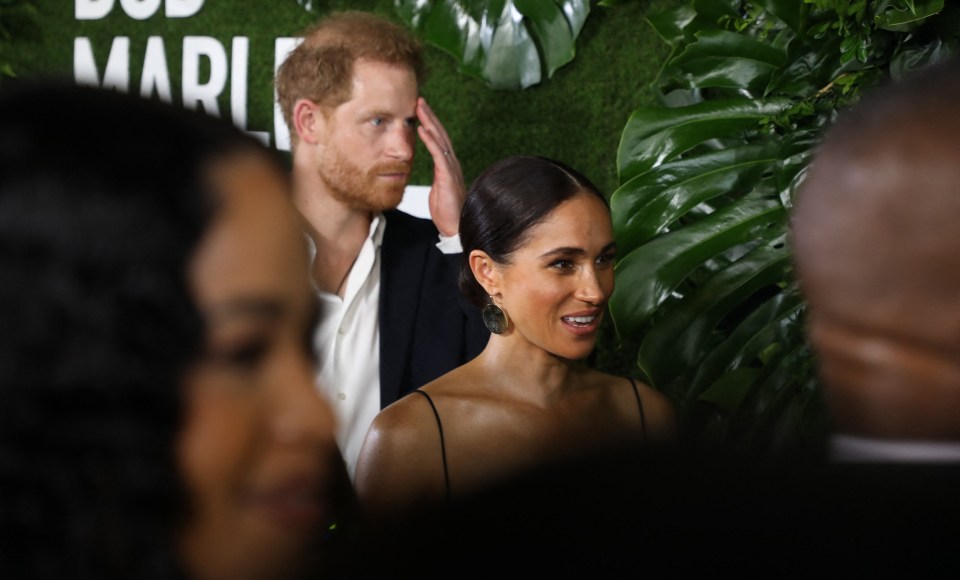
[(347, 341), (851, 448)]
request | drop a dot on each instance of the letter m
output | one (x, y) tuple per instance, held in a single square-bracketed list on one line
[(116, 75)]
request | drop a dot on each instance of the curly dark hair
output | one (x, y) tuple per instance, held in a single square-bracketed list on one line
[(104, 198)]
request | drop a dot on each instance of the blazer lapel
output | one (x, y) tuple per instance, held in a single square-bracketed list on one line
[(403, 258)]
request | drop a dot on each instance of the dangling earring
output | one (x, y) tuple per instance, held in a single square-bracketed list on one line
[(494, 318)]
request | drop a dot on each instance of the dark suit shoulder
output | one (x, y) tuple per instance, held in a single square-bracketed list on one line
[(427, 328), (409, 228)]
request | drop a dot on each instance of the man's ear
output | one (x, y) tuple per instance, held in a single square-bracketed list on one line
[(309, 121), (486, 272)]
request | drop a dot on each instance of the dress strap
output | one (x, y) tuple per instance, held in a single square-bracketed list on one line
[(443, 446), (636, 391)]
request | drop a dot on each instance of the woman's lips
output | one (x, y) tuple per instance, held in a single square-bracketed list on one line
[(299, 503), (582, 323)]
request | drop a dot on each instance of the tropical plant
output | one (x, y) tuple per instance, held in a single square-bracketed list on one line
[(501, 41), (705, 293), (705, 284), (13, 15)]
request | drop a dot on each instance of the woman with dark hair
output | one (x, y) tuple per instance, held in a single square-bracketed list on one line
[(158, 417), (539, 255)]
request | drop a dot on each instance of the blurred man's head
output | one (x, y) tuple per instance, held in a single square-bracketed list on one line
[(876, 231)]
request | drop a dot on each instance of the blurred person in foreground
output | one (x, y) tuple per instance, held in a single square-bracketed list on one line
[(877, 251), (392, 317), (538, 258), (157, 411)]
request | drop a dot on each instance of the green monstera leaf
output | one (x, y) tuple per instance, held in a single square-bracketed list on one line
[(510, 44), (893, 15), (705, 282), (17, 20)]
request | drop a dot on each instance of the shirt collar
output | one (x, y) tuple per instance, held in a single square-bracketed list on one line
[(375, 236), (377, 226), (854, 448)]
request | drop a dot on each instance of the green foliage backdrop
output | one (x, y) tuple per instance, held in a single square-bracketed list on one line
[(705, 284), (699, 117), (706, 308), (575, 116)]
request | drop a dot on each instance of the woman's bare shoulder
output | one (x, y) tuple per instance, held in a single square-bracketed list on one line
[(404, 418), (462, 381), (658, 411), (399, 464)]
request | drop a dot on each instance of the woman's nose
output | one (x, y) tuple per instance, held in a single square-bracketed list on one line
[(300, 413), (594, 286)]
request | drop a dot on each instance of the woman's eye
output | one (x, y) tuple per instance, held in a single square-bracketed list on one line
[(562, 264), (307, 337), (606, 259)]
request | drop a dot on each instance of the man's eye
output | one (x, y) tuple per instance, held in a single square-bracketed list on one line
[(377, 121)]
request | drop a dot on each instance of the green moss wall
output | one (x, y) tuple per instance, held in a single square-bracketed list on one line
[(576, 116)]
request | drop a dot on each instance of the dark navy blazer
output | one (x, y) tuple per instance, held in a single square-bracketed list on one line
[(427, 327)]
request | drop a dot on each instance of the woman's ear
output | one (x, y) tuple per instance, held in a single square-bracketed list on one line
[(308, 120), (486, 272)]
